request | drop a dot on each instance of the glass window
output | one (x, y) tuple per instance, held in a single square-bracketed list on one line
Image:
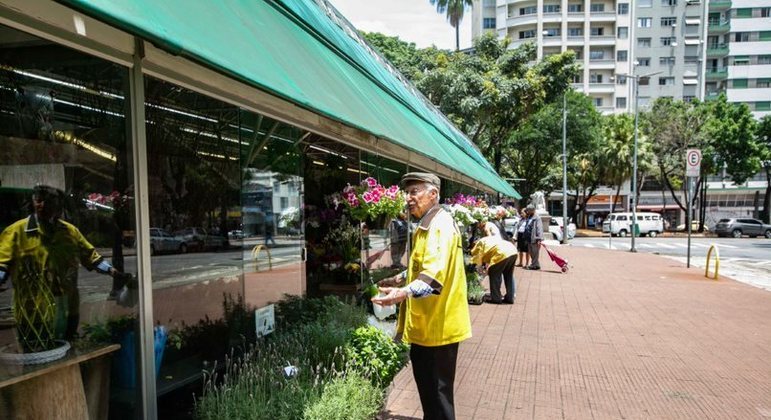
[(666, 81), (741, 37), (741, 60), (623, 32), (623, 8), (644, 61), (597, 102), (488, 23), (529, 10), (744, 12), (621, 56), (765, 12), (595, 78), (667, 41), (739, 83), (669, 2), (67, 210), (763, 106), (575, 31), (551, 8), (764, 59), (527, 34), (763, 83), (765, 35), (596, 55), (621, 102), (668, 21), (575, 8), (667, 61), (621, 80), (644, 22), (597, 31), (597, 7), (644, 42)]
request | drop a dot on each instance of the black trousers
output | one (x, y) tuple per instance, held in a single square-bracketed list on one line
[(434, 372), (502, 269)]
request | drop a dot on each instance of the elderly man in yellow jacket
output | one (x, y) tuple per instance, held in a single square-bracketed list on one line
[(434, 318), (499, 256)]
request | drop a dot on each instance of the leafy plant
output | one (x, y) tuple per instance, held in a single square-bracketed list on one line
[(376, 354), (350, 397), (370, 200)]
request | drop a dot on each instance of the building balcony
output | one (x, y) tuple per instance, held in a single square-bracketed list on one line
[(603, 63), (519, 20), (575, 40), (717, 50), (602, 16), (575, 16), (714, 94), (602, 40), (716, 28), (552, 17), (602, 87), (719, 5), (717, 73)]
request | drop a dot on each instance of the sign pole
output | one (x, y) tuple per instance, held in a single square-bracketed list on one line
[(692, 170)]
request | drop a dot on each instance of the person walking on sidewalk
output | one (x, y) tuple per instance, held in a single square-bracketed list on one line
[(499, 256), (434, 318), (523, 242), (534, 231)]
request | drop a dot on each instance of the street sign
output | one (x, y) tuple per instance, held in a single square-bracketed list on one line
[(692, 162)]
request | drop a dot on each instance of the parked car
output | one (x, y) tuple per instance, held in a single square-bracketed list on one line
[(738, 227), (200, 239), (236, 234), (510, 226), (556, 228), (694, 227), (162, 241), (620, 224)]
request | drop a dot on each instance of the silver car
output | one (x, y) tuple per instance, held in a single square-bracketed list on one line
[(162, 241), (738, 227)]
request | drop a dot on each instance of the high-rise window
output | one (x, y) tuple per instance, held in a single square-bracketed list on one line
[(764, 35), (529, 10), (667, 41), (666, 81), (551, 32), (742, 37), (622, 56), (763, 83), (597, 7), (745, 12), (765, 12), (527, 34), (575, 31), (623, 32), (644, 22), (764, 59), (739, 83), (623, 8), (488, 23), (643, 42), (621, 80), (575, 8), (597, 102), (551, 8), (667, 61), (669, 2), (644, 61), (596, 55), (668, 21), (595, 78), (597, 31), (621, 102)]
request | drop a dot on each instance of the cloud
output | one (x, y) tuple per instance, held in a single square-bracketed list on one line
[(411, 20)]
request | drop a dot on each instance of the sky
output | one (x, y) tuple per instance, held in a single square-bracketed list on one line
[(411, 20)]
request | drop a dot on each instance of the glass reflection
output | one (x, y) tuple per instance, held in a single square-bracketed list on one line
[(66, 213)]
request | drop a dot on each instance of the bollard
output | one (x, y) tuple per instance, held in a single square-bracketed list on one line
[(717, 261), (256, 253)]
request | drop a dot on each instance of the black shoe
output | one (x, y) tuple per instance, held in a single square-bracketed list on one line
[(488, 299), (532, 268), (508, 302)]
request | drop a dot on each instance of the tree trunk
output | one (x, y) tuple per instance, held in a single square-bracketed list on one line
[(613, 200), (457, 38)]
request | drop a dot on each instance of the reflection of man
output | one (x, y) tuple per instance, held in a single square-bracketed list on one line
[(435, 317), (41, 255)]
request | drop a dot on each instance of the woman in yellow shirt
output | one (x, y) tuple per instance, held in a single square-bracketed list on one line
[(499, 256)]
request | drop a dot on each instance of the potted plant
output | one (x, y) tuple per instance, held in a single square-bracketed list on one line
[(372, 202)]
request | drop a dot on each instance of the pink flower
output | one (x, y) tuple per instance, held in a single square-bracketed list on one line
[(349, 189), (367, 196), (370, 182)]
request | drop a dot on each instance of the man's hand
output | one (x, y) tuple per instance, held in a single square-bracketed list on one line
[(392, 295), (390, 281)]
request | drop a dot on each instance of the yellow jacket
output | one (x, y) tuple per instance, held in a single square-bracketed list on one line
[(437, 259), (492, 250)]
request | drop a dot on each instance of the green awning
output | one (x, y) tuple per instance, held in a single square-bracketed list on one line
[(295, 50)]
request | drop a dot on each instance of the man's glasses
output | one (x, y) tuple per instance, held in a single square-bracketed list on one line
[(413, 192)]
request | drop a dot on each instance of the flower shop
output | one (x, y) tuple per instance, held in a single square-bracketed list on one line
[(242, 203)]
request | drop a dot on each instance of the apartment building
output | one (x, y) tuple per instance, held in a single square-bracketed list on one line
[(739, 53), (661, 38)]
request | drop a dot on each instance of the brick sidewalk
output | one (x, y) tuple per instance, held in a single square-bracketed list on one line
[(621, 336)]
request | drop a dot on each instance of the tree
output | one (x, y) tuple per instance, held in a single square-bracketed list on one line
[(404, 56), (617, 153), (454, 9), (764, 145), (533, 153)]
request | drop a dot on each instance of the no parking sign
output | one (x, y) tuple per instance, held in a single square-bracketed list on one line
[(692, 162)]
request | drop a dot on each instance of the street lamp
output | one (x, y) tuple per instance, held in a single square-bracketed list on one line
[(564, 169), (633, 201)]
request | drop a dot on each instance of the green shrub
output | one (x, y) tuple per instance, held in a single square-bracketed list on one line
[(376, 355), (348, 398)]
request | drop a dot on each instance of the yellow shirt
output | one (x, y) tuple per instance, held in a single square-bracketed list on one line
[(437, 259), (492, 250)]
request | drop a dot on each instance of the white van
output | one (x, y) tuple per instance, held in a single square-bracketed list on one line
[(620, 224)]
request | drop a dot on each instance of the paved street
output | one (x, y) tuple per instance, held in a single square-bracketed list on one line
[(745, 260), (639, 337)]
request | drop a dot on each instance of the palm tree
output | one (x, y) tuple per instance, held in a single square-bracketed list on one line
[(618, 131), (454, 10)]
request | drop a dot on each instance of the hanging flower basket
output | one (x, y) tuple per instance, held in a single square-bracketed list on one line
[(370, 201), (34, 358)]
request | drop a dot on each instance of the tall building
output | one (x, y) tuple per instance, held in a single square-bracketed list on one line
[(661, 38), (739, 53)]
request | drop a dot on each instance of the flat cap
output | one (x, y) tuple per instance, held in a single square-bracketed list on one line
[(421, 177), (530, 207)]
